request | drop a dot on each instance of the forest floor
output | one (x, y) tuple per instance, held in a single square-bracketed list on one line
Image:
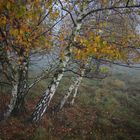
[(104, 110)]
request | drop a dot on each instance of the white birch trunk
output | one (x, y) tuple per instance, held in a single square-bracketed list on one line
[(44, 102), (67, 95), (75, 91), (78, 84), (22, 89), (12, 101), (71, 88)]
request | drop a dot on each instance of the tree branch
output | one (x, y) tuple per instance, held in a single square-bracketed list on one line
[(110, 8), (116, 63), (50, 27), (67, 12)]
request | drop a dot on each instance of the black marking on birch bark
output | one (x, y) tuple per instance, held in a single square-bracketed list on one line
[(22, 88), (58, 76), (45, 100), (11, 104), (40, 109)]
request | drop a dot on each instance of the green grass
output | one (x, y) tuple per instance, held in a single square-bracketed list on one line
[(117, 100)]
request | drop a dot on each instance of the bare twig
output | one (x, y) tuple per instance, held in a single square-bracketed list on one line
[(67, 12), (110, 8)]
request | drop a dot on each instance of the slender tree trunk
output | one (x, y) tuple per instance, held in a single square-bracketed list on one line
[(12, 101), (43, 104), (67, 95), (71, 88), (75, 92), (22, 89), (79, 82), (47, 96)]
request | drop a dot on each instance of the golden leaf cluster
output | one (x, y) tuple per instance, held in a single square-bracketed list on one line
[(19, 22), (95, 46)]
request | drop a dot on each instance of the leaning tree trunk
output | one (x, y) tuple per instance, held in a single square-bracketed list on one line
[(22, 88), (75, 92), (67, 95), (43, 104), (47, 96), (71, 88)]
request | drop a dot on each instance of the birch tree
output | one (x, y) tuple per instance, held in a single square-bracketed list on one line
[(48, 94), (22, 31), (82, 12), (73, 86), (27, 26)]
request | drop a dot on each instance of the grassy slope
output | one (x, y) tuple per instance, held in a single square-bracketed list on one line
[(104, 110)]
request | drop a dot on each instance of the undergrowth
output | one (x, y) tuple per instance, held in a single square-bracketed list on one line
[(104, 110)]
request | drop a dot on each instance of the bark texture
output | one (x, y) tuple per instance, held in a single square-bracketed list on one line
[(73, 86), (75, 91), (67, 95), (12, 101), (47, 96), (22, 89), (43, 104)]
